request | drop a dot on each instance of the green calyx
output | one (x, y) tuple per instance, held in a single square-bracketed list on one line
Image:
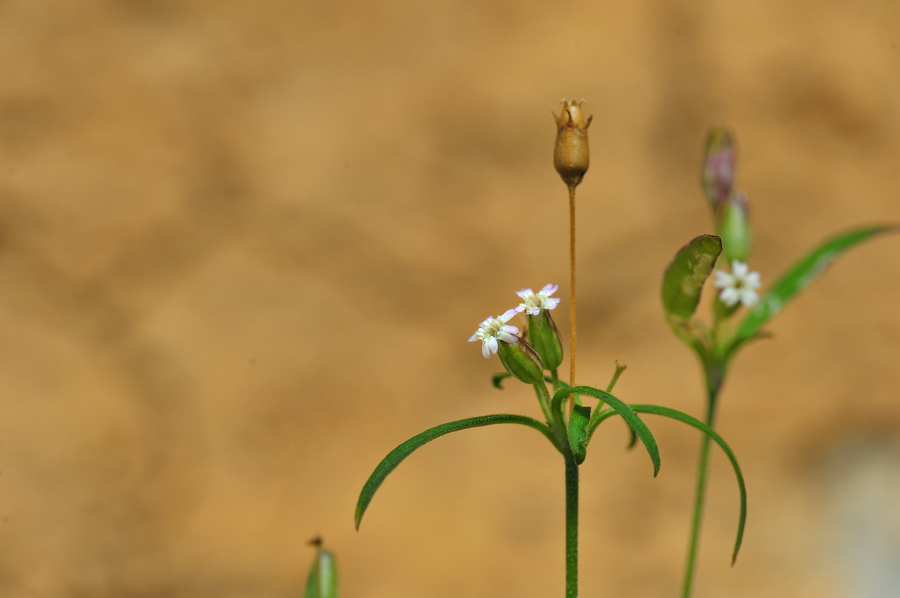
[(522, 361), (322, 580), (734, 228), (544, 337)]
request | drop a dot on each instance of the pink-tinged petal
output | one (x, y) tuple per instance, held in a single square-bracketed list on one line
[(551, 303), (474, 338), (510, 329), (533, 311), (492, 344), (739, 269), (730, 296), (524, 293), (507, 338), (507, 315), (485, 350), (520, 308), (550, 288)]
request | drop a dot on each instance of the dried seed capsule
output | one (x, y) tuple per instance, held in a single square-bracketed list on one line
[(571, 156)]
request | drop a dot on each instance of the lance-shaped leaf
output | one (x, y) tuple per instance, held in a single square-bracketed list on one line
[(396, 456), (798, 277), (577, 432), (691, 421), (684, 277), (630, 417)]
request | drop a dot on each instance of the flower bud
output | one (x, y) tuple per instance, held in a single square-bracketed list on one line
[(521, 361), (734, 227), (571, 156), (718, 166), (322, 580), (544, 337)]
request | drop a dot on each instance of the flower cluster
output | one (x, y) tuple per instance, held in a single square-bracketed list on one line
[(526, 361)]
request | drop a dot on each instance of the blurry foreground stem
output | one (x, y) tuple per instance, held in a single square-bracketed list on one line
[(715, 374)]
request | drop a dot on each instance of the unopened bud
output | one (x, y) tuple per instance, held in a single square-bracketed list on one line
[(718, 166), (571, 156), (322, 580), (544, 337), (522, 361), (734, 227)]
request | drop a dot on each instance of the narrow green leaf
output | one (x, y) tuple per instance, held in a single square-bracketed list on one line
[(692, 421), (685, 275), (497, 379), (630, 417), (577, 432), (396, 456), (798, 277)]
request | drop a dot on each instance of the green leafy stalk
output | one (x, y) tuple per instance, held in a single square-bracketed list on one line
[(396, 456), (630, 417), (572, 525)]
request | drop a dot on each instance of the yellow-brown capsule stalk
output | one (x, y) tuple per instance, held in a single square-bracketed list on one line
[(571, 156)]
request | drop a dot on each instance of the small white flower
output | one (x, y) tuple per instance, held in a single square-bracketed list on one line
[(533, 303), (495, 329), (738, 286)]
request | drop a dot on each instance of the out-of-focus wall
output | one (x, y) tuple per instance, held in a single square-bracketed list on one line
[(242, 246)]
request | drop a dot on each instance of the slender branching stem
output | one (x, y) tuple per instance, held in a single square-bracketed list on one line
[(571, 527), (714, 377), (572, 294)]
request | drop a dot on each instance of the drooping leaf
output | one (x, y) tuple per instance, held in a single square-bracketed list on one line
[(685, 275), (630, 417), (692, 421), (396, 456), (798, 277), (577, 432)]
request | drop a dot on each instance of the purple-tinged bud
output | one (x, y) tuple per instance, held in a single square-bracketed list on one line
[(521, 360), (733, 222), (718, 166), (571, 156), (544, 337)]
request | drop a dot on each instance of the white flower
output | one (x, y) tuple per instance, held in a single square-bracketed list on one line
[(533, 303), (739, 285), (494, 329)]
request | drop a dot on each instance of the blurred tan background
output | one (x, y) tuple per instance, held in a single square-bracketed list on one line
[(242, 246)]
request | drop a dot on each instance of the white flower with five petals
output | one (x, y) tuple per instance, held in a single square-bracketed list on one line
[(495, 329), (533, 303), (738, 286)]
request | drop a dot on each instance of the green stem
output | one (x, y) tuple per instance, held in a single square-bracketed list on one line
[(571, 527), (715, 374)]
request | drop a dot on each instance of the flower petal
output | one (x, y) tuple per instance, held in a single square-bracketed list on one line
[(474, 337), (485, 350), (507, 315), (491, 343), (730, 296), (739, 269), (507, 338), (551, 303), (550, 288)]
